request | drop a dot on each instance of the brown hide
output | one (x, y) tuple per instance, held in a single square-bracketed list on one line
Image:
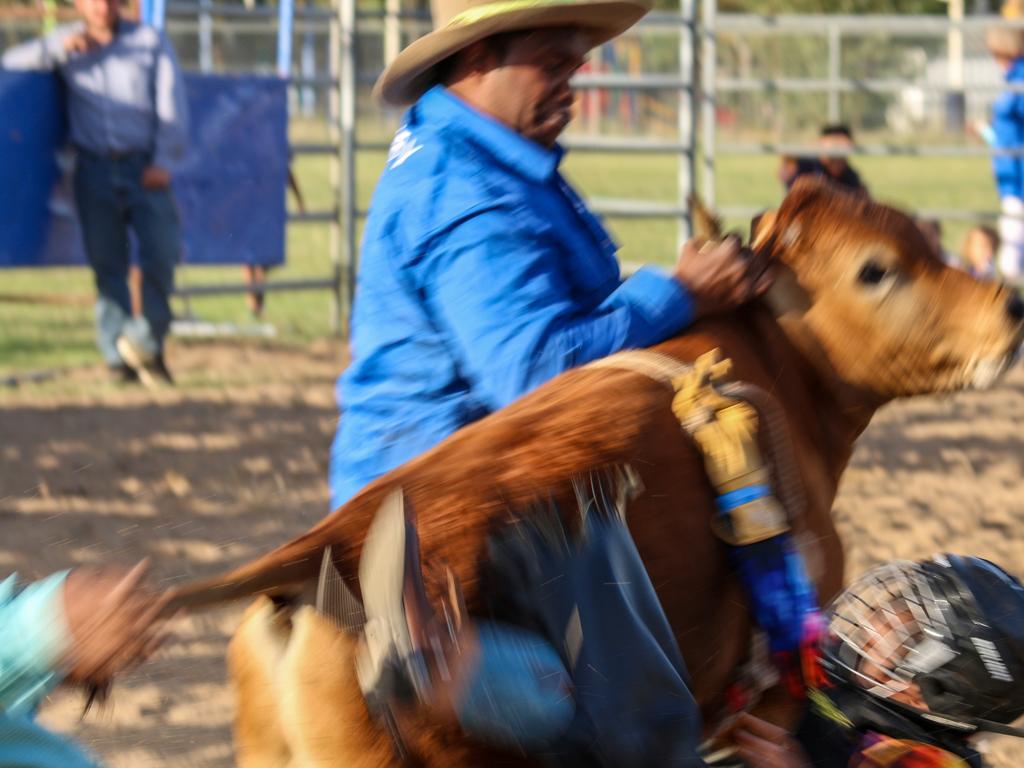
[(829, 349)]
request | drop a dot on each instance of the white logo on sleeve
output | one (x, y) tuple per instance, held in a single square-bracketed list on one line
[(403, 146), (993, 661)]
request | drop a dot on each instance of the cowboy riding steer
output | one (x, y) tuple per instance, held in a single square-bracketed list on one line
[(861, 312)]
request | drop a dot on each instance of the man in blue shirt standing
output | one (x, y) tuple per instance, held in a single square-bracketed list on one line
[(128, 121), (483, 275)]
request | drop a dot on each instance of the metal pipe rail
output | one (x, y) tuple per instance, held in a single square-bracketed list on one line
[(847, 85), (313, 148), (215, 289), (619, 208), (943, 214), (317, 81), (627, 145), (917, 25), (636, 209), (587, 144), (402, 15), (231, 10), (652, 209), (646, 82), (653, 19), (880, 150), (310, 217)]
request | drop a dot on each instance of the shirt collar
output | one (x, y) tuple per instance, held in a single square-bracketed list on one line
[(525, 157)]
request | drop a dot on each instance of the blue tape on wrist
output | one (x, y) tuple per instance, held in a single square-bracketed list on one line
[(729, 501), (780, 591)]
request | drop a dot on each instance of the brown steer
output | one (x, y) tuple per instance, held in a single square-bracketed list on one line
[(861, 313)]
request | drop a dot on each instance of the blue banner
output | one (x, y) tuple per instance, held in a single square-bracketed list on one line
[(31, 128), (230, 188)]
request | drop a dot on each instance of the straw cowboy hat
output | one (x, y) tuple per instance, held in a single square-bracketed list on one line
[(460, 23)]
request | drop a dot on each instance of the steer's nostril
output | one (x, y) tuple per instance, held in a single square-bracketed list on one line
[(1015, 307)]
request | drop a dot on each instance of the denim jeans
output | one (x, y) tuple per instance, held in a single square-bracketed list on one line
[(110, 200), (520, 696), (589, 596)]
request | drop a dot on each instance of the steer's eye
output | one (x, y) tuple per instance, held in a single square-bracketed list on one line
[(872, 273)]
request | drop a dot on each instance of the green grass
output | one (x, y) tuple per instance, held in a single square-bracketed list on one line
[(45, 335)]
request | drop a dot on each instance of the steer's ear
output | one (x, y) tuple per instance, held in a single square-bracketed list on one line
[(760, 227)]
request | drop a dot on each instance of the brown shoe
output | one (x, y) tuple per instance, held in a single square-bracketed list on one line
[(122, 374)]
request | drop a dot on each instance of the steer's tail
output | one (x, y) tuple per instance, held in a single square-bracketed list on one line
[(284, 570)]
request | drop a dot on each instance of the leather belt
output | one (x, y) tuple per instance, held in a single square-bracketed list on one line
[(112, 154)]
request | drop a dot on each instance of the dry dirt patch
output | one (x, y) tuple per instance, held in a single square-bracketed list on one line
[(234, 461)]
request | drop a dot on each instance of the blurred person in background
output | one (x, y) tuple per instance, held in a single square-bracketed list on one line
[(79, 627), (919, 658), (837, 168), (1007, 133), (792, 167), (127, 114), (978, 255)]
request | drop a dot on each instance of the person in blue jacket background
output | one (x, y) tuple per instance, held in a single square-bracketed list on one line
[(80, 627), (1007, 133)]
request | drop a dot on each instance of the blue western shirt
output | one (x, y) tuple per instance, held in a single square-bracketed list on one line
[(483, 275), (127, 96), (1008, 126)]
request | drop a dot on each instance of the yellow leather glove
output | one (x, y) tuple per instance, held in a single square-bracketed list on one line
[(725, 430)]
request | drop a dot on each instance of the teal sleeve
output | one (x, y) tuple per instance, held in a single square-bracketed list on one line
[(33, 638), (25, 744)]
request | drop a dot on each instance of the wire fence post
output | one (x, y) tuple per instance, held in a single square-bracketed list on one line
[(392, 30), (687, 116), (346, 265), (205, 37), (835, 58), (709, 102), (955, 99), (285, 26)]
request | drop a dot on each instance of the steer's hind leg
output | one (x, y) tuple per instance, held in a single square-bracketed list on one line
[(254, 660), (323, 713)]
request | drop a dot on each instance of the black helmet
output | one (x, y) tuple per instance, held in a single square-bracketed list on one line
[(953, 625)]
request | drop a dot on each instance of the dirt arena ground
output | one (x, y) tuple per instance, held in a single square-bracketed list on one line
[(233, 462)]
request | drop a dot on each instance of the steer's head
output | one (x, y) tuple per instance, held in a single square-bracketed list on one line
[(871, 305)]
